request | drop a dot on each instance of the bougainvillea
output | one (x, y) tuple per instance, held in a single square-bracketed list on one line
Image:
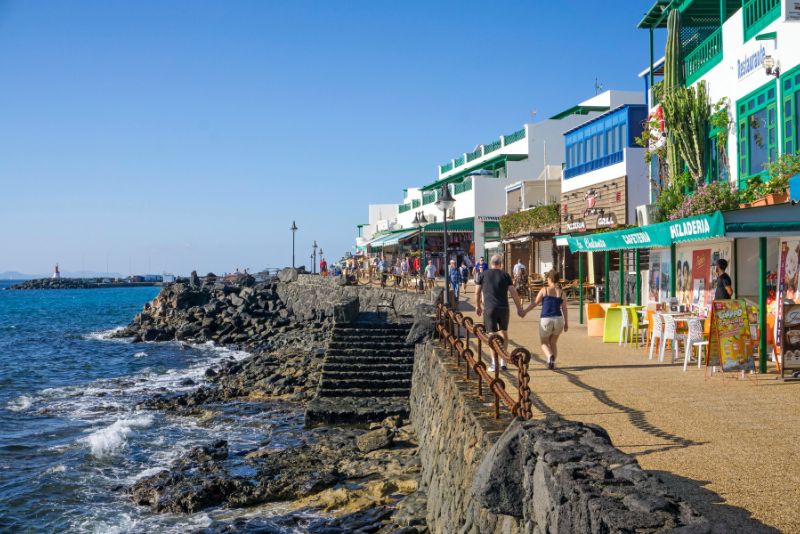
[(540, 218), (708, 198)]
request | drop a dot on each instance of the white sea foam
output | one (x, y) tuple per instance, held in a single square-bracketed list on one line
[(106, 440), (56, 469), (140, 354), (105, 335), (19, 404)]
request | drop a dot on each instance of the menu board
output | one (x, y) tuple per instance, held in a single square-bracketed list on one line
[(730, 345), (790, 355)]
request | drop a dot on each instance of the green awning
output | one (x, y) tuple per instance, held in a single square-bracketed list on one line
[(396, 238), (659, 235), (491, 164), (459, 225)]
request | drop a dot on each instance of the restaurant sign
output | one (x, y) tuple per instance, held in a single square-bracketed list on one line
[(659, 235)]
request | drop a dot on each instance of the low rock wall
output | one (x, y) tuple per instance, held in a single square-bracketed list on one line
[(314, 296), (539, 476), (455, 432)]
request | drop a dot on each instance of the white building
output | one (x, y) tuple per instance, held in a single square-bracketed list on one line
[(749, 53), (382, 217)]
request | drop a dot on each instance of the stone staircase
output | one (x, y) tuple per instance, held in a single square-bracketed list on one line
[(366, 375)]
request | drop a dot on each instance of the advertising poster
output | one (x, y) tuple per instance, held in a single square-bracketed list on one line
[(730, 345), (787, 284), (701, 270), (683, 272), (790, 356), (665, 261), (654, 279)]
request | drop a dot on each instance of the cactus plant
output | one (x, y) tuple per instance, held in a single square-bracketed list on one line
[(673, 80), (686, 112)]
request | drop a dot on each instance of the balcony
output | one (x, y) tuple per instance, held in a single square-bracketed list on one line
[(758, 14), (447, 167), (429, 197), (416, 203), (464, 186), (703, 58), (472, 156), (402, 208), (514, 137), (590, 166)]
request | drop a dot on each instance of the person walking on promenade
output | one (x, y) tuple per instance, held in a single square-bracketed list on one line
[(383, 270), (405, 267), (455, 279), (491, 288), (323, 267), (554, 316), (430, 274), (464, 276)]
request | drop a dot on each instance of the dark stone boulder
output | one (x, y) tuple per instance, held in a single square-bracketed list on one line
[(194, 280), (287, 275), (373, 440), (424, 324), (346, 310)]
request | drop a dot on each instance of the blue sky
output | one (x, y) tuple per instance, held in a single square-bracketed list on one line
[(188, 135)]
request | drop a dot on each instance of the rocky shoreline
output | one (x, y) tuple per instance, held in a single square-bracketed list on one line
[(354, 479)]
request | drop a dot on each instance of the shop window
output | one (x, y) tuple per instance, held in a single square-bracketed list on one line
[(790, 110), (757, 132)]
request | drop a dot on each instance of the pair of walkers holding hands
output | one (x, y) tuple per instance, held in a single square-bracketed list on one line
[(492, 288)]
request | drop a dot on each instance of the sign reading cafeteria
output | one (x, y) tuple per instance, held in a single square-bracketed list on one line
[(659, 235)]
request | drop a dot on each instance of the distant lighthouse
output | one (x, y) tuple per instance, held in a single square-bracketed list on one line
[(56, 273)]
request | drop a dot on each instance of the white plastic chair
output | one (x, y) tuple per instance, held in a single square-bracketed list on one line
[(657, 332), (625, 326), (695, 338), (670, 334)]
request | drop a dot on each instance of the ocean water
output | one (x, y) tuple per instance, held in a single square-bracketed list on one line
[(70, 435)]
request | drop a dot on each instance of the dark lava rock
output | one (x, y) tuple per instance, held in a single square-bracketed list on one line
[(375, 439)]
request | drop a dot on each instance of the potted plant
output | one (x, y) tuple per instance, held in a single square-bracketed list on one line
[(776, 189), (749, 196)]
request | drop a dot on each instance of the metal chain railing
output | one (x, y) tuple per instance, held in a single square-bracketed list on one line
[(449, 326)]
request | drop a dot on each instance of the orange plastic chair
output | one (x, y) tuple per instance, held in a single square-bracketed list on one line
[(595, 319)]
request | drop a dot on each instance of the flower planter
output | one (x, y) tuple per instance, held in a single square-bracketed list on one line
[(744, 205), (759, 202), (777, 198)]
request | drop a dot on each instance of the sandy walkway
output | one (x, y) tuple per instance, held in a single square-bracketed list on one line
[(731, 444)]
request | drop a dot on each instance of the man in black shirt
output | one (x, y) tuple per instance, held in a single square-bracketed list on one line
[(724, 288), (491, 288)]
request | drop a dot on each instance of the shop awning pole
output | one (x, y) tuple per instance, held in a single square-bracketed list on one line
[(762, 304), (672, 274), (607, 266), (735, 269), (580, 287), (637, 260), (621, 277)]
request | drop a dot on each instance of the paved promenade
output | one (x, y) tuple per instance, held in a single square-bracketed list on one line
[(731, 444)]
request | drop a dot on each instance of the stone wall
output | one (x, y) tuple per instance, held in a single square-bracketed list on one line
[(314, 296), (540, 476), (454, 432)]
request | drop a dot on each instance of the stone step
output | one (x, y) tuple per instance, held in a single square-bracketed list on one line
[(354, 410), (369, 344), (327, 385), (358, 340), (368, 361), (367, 373), (356, 392), (358, 351), (392, 368)]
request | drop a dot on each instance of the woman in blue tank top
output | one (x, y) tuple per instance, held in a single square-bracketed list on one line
[(554, 316)]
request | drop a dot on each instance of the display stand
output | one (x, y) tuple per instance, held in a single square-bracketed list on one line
[(730, 346), (790, 340)]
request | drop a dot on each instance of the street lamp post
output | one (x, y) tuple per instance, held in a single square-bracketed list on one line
[(294, 230), (421, 222), (314, 258), (444, 203)]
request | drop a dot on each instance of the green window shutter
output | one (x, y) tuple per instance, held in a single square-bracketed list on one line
[(790, 86), (741, 138)]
